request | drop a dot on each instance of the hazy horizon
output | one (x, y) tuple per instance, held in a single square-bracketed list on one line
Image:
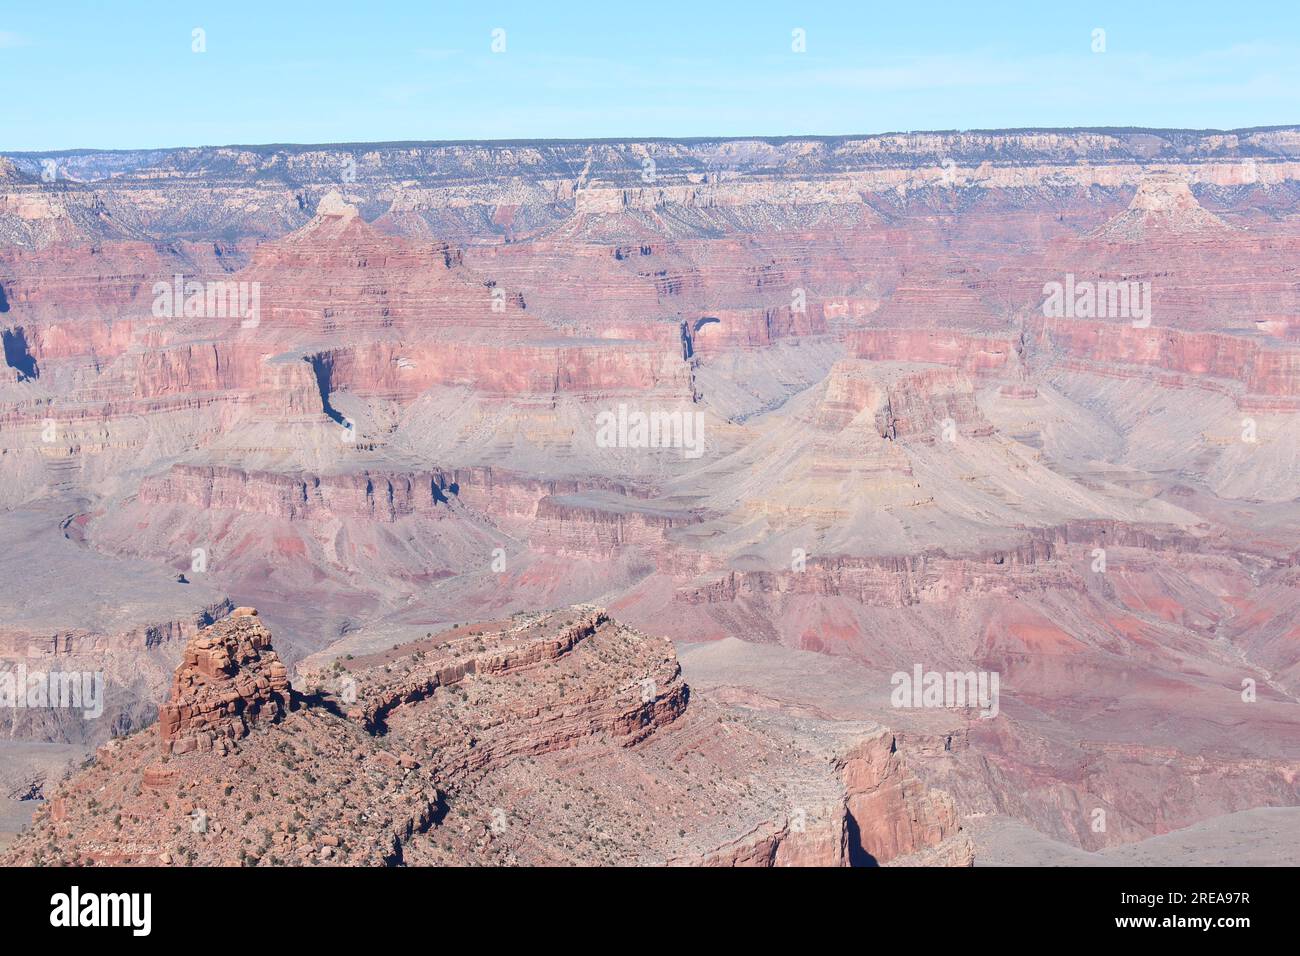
[(688, 140)]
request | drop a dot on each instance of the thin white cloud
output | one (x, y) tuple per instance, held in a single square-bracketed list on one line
[(10, 40)]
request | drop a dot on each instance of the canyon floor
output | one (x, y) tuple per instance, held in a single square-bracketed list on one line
[(775, 429)]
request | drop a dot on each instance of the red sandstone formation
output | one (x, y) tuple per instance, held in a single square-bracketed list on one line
[(1195, 359), (974, 353), (229, 679), (415, 755)]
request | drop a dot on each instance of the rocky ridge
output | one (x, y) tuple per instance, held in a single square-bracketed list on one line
[(415, 754)]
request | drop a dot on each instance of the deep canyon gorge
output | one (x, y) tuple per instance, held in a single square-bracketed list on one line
[(357, 387)]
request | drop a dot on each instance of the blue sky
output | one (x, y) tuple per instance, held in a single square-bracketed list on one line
[(122, 75)]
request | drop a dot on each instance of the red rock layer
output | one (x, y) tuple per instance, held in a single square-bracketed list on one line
[(1106, 347)]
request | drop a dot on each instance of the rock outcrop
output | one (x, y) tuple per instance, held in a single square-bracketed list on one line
[(229, 679), (523, 741), (1163, 208)]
